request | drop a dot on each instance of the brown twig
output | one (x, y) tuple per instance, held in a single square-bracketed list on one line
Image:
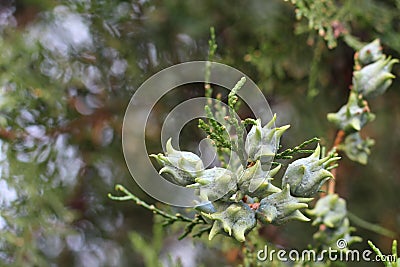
[(338, 140), (7, 135), (332, 182)]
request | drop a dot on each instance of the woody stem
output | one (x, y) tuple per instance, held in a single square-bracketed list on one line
[(332, 182)]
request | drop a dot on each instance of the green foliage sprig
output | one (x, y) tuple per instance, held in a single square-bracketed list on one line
[(168, 218), (322, 16), (389, 260)]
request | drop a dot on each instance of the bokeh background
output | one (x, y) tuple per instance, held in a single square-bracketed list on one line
[(69, 68)]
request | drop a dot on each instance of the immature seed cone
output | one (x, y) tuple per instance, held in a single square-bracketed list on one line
[(356, 148), (281, 207), (328, 238), (329, 210), (214, 184), (182, 166), (352, 116), (263, 142), (236, 220), (332, 212), (375, 78), (254, 181), (306, 175), (210, 207), (205, 207), (370, 52)]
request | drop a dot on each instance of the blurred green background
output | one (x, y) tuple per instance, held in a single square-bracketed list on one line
[(69, 68)]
